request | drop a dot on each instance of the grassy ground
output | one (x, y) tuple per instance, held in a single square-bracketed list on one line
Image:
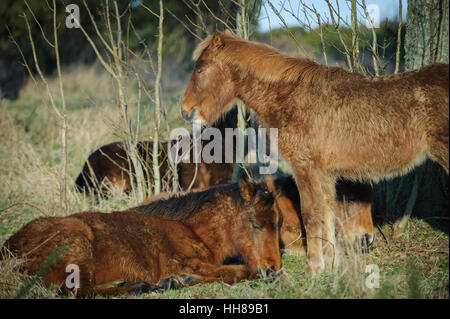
[(412, 265)]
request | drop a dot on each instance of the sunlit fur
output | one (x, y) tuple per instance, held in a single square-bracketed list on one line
[(268, 64), (180, 240), (330, 122)]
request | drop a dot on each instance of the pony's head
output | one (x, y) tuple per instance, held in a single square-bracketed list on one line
[(354, 216), (354, 223), (210, 90), (257, 232)]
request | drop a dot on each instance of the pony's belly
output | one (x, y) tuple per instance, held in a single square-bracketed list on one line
[(378, 167)]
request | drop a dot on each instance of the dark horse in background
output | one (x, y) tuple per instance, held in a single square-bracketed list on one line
[(331, 123), (108, 166), (169, 243)]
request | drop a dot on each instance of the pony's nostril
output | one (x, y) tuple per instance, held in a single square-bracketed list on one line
[(188, 117)]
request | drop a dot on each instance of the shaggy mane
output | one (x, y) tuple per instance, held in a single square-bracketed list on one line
[(269, 64), (182, 206), (201, 47)]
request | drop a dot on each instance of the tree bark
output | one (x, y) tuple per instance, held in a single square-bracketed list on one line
[(426, 33)]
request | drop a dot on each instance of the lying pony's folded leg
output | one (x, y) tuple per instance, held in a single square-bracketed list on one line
[(124, 288), (207, 273)]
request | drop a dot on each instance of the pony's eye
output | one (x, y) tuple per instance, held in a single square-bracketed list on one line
[(200, 71), (255, 225)]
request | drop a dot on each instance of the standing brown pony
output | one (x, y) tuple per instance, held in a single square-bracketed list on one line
[(330, 122), (169, 243)]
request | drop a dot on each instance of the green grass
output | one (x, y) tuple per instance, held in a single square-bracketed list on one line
[(415, 264), (403, 274)]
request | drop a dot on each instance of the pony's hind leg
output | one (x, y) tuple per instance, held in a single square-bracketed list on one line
[(75, 267), (438, 134), (41, 238), (329, 223), (438, 152)]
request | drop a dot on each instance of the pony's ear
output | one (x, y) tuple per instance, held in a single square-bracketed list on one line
[(270, 184), (228, 32), (246, 189), (217, 40)]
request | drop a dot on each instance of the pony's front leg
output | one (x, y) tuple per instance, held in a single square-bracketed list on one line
[(207, 273), (312, 199), (124, 288)]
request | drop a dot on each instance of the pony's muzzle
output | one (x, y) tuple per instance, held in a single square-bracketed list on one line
[(188, 117)]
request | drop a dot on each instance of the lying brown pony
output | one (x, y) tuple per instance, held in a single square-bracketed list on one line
[(181, 241), (353, 214), (110, 163)]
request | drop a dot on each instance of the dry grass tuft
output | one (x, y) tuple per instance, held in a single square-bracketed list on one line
[(12, 279)]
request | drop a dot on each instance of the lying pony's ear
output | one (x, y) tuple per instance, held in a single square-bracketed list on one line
[(270, 184), (246, 189)]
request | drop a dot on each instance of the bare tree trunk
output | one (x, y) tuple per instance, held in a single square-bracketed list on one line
[(156, 172), (61, 115), (63, 177), (241, 24), (355, 37), (399, 37), (132, 152), (375, 55), (426, 32)]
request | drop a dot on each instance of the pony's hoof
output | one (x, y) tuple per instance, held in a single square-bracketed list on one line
[(139, 289), (170, 283), (267, 274), (177, 282), (157, 289)]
